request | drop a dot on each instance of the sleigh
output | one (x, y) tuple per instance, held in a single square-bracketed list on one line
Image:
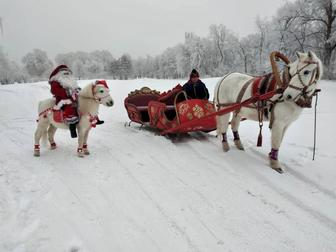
[(170, 112), (136, 104)]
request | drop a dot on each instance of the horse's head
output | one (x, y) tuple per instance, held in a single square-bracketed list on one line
[(101, 93), (304, 73)]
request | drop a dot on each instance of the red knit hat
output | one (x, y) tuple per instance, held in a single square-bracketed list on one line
[(58, 69), (194, 73)]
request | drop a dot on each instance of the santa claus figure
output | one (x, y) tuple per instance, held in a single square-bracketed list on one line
[(65, 89)]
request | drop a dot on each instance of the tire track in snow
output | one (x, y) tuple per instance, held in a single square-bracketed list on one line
[(170, 220), (301, 177), (172, 223), (326, 221)]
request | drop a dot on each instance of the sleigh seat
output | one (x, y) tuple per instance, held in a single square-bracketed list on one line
[(136, 104)]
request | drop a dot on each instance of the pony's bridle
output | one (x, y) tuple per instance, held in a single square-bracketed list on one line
[(95, 97), (302, 99)]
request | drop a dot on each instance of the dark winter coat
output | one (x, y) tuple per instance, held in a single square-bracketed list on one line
[(196, 90)]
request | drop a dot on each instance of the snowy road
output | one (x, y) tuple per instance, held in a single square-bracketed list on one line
[(141, 192)]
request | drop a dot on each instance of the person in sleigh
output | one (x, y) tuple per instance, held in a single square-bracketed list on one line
[(65, 89), (195, 88)]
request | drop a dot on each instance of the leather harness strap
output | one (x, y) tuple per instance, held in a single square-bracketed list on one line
[(219, 105), (243, 89)]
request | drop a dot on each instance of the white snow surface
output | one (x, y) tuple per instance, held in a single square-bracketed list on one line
[(139, 191)]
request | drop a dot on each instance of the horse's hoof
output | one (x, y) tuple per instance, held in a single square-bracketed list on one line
[(86, 152), (275, 165), (225, 146), (36, 153), (53, 146), (80, 153), (239, 145), (279, 170)]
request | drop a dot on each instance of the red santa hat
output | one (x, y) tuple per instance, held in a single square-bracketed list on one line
[(58, 69)]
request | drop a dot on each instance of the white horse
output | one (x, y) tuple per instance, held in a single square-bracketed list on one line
[(89, 99), (297, 86)]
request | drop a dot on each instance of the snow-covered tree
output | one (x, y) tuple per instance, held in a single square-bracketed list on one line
[(124, 67), (10, 72), (37, 63)]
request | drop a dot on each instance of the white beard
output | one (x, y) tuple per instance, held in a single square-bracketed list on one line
[(66, 81)]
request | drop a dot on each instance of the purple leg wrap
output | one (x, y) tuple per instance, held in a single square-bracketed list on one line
[(224, 137), (235, 135), (274, 154)]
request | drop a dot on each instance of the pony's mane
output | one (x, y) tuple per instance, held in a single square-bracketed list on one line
[(320, 66), (87, 91)]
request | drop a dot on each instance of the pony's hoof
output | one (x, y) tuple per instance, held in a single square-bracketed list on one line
[(36, 153), (53, 146), (239, 145), (86, 152), (279, 170), (275, 165), (225, 146), (80, 153)]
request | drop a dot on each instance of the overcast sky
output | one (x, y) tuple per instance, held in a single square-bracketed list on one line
[(138, 27)]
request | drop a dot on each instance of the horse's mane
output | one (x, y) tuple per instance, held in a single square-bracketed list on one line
[(320, 66), (87, 91)]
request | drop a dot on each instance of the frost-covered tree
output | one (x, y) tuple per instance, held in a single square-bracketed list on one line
[(10, 72), (124, 68), (309, 25), (101, 60), (37, 63)]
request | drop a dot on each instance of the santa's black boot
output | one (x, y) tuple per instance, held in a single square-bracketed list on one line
[(73, 131), (99, 121)]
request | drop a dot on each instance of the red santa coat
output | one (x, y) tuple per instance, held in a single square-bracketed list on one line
[(60, 93)]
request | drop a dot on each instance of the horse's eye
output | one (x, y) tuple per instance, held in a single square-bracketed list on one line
[(306, 72), (101, 90)]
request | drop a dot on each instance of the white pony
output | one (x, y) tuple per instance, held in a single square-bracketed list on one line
[(89, 99), (296, 88)]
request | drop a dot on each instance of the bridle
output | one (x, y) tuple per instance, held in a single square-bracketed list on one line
[(94, 94), (302, 99)]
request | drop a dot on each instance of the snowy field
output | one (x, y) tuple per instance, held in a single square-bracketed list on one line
[(141, 192)]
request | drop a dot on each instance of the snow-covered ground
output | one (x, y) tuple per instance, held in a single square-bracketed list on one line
[(138, 191)]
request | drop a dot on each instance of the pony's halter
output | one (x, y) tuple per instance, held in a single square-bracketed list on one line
[(102, 83), (302, 99)]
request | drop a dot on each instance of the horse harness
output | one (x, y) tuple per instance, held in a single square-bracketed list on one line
[(268, 83)]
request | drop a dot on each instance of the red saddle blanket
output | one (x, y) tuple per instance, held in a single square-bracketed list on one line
[(58, 116)]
